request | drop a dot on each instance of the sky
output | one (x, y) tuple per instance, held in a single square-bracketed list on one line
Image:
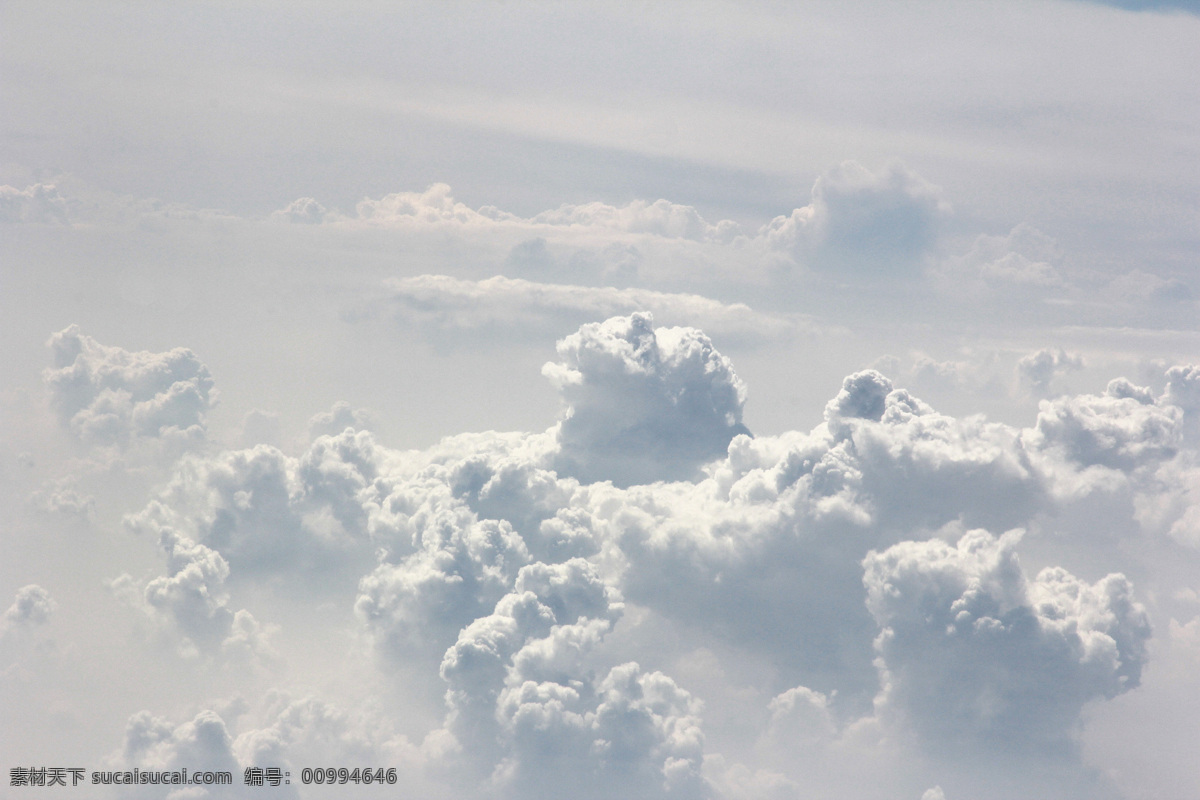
[(755, 401)]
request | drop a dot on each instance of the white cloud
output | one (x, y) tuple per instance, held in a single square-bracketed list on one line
[(974, 653), (642, 403), (437, 206), (861, 222), (1122, 429), (109, 395), (31, 606), (508, 559), (1037, 371), (1026, 257), (500, 302), (266, 512), (200, 744), (304, 210), (39, 203), (337, 419)]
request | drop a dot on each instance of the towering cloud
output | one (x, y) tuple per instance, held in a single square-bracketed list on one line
[(643, 404), (504, 583)]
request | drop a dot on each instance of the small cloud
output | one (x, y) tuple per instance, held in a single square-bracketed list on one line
[(862, 222), (338, 419), (32, 606), (305, 211), (39, 204), (1036, 371), (108, 395), (514, 303)]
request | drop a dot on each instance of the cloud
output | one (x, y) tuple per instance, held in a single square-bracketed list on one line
[(1183, 392), (460, 569), (268, 513), (642, 403), (974, 653), (41, 204), (500, 302), (524, 702), (305, 210), (109, 395), (337, 419), (861, 222), (510, 560), (64, 497), (659, 218), (200, 744), (1037, 371), (434, 205), (304, 731), (437, 206), (1025, 258), (1122, 429), (31, 606), (192, 600)]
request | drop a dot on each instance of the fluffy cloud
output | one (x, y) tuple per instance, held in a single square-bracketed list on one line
[(306, 731), (39, 203), (337, 419), (192, 602), (643, 404), (1036, 370), (109, 395), (1183, 392), (200, 744), (513, 302), (31, 606), (304, 210), (524, 701), (1122, 429), (973, 652), (507, 558), (1026, 257), (860, 221), (264, 511)]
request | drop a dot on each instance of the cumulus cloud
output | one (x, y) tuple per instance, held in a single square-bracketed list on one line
[(971, 651), (267, 512), (1122, 429), (40, 203), (1183, 392), (304, 210), (1025, 258), (31, 606), (862, 222), (304, 731), (337, 419), (524, 701), (200, 744), (447, 302), (192, 601), (642, 403), (507, 559), (1036, 371), (109, 395), (63, 496)]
